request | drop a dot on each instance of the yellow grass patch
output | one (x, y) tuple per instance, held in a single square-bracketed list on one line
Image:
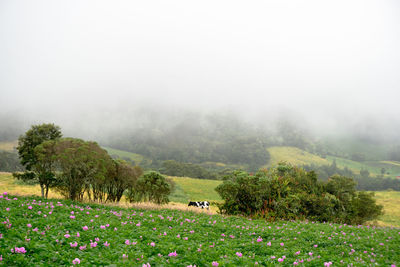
[(8, 146), (391, 207)]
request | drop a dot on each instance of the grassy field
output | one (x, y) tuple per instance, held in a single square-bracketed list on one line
[(125, 154), (189, 189), (294, 156), (197, 189), (391, 205)]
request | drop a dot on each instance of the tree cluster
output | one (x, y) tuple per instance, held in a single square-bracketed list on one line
[(287, 192), (78, 169)]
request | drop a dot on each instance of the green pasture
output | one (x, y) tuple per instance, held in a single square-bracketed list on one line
[(137, 158)]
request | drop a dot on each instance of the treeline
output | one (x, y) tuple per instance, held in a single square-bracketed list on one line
[(78, 168), (197, 140), (363, 180), (287, 192), (174, 168)]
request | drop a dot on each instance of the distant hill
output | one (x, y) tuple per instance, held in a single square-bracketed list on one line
[(300, 157)]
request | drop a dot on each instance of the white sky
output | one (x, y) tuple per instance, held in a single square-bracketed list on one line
[(322, 59)]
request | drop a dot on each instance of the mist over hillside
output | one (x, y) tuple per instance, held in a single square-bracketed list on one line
[(205, 81)]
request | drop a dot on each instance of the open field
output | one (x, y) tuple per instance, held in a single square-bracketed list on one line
[(294, 156), (59, 232), (200, 189), (391, 206)]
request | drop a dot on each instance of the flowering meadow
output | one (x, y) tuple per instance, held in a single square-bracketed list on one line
[(57, 232)]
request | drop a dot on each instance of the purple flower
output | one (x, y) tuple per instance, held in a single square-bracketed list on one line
[(239, 254), (152, 244), (73, 245), (214, 263), (280, 260), (67, 235), (259, 239), (85, 228), (106, 244), (76, 261)]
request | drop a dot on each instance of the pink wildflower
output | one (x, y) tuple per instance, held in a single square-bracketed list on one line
[(239, 254), (173, 254), (214, 263), (76, 261), (85, 228)]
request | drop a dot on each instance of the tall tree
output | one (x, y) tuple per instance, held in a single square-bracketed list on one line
[(27, 143)]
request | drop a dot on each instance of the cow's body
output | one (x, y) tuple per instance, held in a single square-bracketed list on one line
[(200, 204)]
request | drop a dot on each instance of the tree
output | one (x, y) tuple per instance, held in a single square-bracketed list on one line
[(153, 187), (83, 167), (124, 176), (27, 143)]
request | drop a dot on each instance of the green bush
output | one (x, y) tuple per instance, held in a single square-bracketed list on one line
[(287, 192)]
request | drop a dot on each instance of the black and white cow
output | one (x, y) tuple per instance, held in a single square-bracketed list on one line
[(200, 204)]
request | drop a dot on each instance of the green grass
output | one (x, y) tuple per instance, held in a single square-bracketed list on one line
[(198, 189), (137, 158)]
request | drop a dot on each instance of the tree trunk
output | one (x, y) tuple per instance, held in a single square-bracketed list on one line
[(42, 189), (47, 191)]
